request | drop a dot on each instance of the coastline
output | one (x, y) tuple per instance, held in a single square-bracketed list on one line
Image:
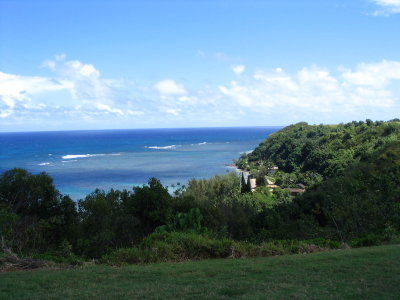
[(81, 161), (237, 169)]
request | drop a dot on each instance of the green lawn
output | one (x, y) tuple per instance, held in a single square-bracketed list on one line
[(365, 273)]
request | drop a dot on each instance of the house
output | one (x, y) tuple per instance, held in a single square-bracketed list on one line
[(272, 170), (295, 191), (301, 186), (253, 184), (271, 185)]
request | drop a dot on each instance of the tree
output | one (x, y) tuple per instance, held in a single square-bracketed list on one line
[(243, 184), (45, 217), (150, 204)]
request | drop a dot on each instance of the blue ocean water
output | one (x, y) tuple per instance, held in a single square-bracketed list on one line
[(81, 161)]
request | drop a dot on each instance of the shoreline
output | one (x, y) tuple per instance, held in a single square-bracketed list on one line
[(237, 169)]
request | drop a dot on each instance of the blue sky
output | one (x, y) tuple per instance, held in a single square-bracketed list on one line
[(142, 64)]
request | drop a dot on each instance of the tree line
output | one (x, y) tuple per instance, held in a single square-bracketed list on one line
[(352, 174)]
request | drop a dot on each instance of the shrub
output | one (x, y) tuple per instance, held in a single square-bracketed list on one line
[(324, 243), (171, 246), (366, 241), (180, 246)]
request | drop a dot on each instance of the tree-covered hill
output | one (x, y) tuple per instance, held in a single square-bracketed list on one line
[(365, 199), (315, 152), (352, 177)]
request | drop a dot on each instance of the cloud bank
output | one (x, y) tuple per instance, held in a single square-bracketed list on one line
[(77, 94), (317, 89)]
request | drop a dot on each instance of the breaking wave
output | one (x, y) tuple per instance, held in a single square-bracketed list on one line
[(73, 156), (163, 148)]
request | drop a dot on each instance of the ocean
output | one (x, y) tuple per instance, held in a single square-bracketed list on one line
[(81, 161)]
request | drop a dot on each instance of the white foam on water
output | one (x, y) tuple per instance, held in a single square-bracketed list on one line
[(163, 148), (73, 156)]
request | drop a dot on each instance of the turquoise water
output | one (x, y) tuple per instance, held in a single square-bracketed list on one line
[(80, 161)]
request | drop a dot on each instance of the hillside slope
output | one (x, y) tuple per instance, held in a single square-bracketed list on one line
[(326, 150), (365, 273), (352, 177)]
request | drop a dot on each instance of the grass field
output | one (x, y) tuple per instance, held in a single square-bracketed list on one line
[(364, 273)]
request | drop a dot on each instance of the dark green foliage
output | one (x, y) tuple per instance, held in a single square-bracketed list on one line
[(41, 217), (363, 200), (104, 223), (225, 209), (243, 185), (181, 246), (8, 221), (322, 149), (120, 219), (186, 222), (28, 194), (150, 204), (352, 175), (367, 241)]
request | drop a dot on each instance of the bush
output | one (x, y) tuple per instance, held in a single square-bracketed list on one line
[(179, 246), (171, 246), (188, 245), (366, 241), (324, 243)]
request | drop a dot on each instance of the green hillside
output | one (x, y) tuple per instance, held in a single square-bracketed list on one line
[(351, 173), (366, 273), (321, 151)]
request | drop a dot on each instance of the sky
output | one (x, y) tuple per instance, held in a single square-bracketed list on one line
[(93, 64)]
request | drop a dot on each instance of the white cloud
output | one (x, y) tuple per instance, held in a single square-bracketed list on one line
[(78, 93), (387, 7), (239, 69), (5, 113), (16, 91), (316, 89), (107, 108), (169, 87), (85, 79), (374, 74), (89, 94), (172, 111), (134, 112), (184, 99)]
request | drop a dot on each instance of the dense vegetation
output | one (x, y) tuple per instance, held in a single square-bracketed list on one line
[(352, 174), (310, 154), (352, 177)]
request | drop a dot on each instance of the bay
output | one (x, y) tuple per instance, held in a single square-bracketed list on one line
[(81, 161)]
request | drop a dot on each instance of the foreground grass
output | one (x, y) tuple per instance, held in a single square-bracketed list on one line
[(365, 273)]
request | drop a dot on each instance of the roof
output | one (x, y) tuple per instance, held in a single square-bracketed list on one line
[(269, 182), (295, 190), (272, 186)]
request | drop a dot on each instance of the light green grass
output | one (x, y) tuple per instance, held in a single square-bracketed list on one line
[(365, 273)]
